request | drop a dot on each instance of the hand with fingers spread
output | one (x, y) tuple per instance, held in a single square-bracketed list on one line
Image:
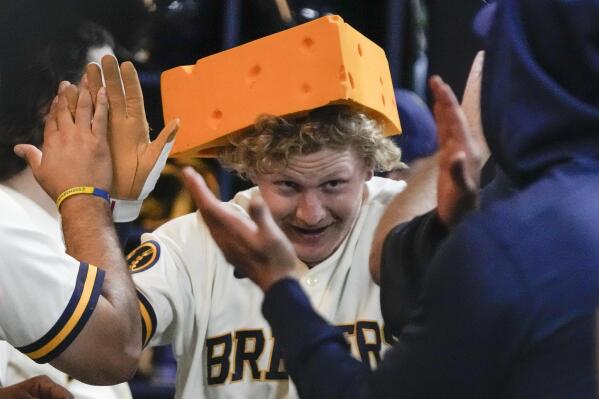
[(137, 161), (256, 246), (459, 159), (40, 387), (75, 151)]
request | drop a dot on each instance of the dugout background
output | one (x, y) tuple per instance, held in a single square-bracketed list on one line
[(421, 37)]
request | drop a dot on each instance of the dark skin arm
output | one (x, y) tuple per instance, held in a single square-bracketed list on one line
[(76, 153)]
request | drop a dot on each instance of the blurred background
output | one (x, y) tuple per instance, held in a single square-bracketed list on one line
[(421, 38)]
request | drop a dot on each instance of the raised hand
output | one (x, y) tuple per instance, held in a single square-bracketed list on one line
[(255, 245), (459, 156), (135, 159), (75, 151)]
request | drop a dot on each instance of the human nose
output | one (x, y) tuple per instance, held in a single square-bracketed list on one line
[(310, 209)]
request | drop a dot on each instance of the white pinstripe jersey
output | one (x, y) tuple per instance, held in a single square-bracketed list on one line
[(46, 295), (48, 287), (223, 345)]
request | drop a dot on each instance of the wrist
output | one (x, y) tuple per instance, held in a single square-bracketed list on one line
[(283, 273), (124, 211), (266, 283), (84, 203), (275, 282), (82, 190)]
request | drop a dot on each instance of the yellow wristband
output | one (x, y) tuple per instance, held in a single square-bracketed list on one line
[(98, 192)]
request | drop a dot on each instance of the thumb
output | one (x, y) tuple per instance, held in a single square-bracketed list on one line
[(459, 174), (157, 150), (153, 160), (166, 136), (31, 154)]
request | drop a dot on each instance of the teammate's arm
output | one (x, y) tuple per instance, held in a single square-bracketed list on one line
[(460, 305), (419, 197), (76, 153)]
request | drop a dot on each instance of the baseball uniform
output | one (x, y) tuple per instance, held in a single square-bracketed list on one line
[(223, 345), (47, 296)]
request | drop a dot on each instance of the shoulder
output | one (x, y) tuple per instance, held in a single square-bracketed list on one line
[(475, 263), (193, 224), (382, 189), (242, 198), (11, 205), (18, 226), (185, 240)]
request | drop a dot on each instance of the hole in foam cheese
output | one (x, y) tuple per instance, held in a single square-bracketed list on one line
[(290, 72)]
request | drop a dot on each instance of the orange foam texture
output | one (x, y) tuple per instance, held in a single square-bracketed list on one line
[(321, 62)]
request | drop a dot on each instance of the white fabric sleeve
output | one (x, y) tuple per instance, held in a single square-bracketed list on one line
[(46, 295), (164, 288)]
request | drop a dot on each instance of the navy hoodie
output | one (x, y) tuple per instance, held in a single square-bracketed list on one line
[(509, 306)]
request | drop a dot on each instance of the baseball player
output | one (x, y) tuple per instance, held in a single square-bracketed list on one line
[(22, 186), (81, 319), (508, 306), (328, 204), (48, 296), (315, 171)]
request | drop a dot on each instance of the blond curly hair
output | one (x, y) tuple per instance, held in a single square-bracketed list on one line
[(268, 146)]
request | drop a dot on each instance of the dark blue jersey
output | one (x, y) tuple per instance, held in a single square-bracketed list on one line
[(508, 309), (508, 305)]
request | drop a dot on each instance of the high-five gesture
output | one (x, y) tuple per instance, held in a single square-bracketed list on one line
[(137, 161)]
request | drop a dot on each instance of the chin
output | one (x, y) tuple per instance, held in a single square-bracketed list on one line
[(311, 257), (311, 262)]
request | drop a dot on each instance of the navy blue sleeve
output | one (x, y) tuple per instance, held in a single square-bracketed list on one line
[(316, 353), (407, 252), (458, 344)]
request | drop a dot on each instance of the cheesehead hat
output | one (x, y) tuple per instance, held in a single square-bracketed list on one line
[(321, 62)]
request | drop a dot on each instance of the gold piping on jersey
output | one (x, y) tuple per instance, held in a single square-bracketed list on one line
[(80, 307), (148, 319)]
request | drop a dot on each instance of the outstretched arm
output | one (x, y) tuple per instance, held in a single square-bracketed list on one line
[(430, 359), (76, 154)]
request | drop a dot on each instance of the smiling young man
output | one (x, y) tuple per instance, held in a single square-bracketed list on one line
[(316, 174)]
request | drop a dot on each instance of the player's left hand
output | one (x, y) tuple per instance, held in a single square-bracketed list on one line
[(257, 246), (137, 161)]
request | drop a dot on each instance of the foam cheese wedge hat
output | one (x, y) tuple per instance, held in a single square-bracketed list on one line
[(324, 61)]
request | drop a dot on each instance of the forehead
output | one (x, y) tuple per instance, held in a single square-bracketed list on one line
[(323, 164)]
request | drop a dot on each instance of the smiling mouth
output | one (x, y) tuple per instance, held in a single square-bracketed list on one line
[(309, 232)]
